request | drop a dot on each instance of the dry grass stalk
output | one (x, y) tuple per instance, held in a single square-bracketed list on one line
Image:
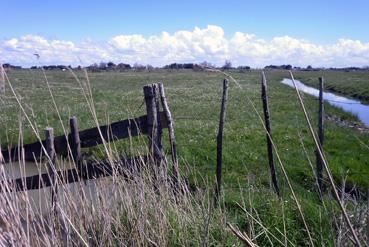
[(326, 167), (242, 236)]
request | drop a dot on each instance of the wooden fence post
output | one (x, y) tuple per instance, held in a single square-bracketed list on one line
[(75, 144), (367, 215), (264, 97), (158, 122), (2, 79), (172, 138), (154, 134), (51, 170), (2, 161), (220, 140), (319, 161)]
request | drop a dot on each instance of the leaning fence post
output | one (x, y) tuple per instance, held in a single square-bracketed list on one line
[(51, 170), (150, 94), (172, 138), (75, 144), (264, 97), (319, 161), (220, 140), (158, 122)]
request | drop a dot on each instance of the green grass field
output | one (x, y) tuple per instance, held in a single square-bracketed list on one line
[(194, 99)]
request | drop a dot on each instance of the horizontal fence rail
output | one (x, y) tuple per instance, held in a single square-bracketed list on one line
[(89, 138), (150, 125), (91, 170)]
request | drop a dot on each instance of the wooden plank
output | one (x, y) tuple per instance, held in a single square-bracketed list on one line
[(220, 140), (114, 131), (29, 150), (92, 170), (89, 138), (35, 150), (264, 97)]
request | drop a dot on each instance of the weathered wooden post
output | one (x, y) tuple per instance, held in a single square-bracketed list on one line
[(172, 138), (75, 144), (1, 157), (367, 215), (220, 140), (154, 134), (2, 79), (51, 170), (319, 161), (264, 97), (158, 122)]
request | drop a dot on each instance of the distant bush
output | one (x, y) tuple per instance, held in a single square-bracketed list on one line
[(181, 66), (284, 66)]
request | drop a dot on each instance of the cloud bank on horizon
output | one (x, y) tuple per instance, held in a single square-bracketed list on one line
[(207, 44)]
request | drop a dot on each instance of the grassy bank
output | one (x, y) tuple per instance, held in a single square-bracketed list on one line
[(354, 83), (194, 99)]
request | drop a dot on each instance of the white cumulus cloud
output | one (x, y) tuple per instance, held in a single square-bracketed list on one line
[(206, 44)]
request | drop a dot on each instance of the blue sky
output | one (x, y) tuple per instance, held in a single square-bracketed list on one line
[(322, 23)]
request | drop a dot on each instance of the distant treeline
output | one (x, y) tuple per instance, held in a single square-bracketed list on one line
[(110, 66), (310, 68)]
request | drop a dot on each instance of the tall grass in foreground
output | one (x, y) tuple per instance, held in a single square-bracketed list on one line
[(141, 208), (147, 210), (139, 211)]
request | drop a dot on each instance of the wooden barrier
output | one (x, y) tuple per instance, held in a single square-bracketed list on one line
[(150, 124), (88, 138), (92, 170)]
